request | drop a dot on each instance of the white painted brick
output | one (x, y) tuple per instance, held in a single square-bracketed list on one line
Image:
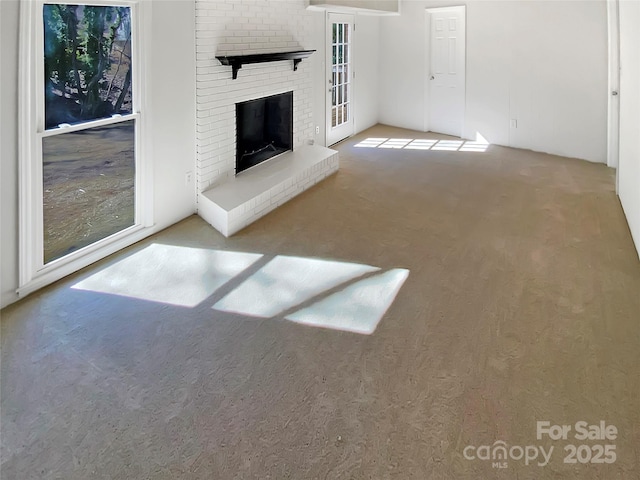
[(277, 189), (264, 209), (265, 197), (245, 26), (276, 199)]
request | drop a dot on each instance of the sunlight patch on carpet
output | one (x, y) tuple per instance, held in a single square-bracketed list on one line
[(371, 142), (480, 145), (343, 296), (473, 147), (358, 308), (169, 274), (285, 282), (395, 143), (421, 144), (448, 145)]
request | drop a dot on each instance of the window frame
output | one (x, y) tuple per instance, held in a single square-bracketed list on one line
[(34, 273)]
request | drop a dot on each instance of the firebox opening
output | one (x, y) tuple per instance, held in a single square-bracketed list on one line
[(264, 129)]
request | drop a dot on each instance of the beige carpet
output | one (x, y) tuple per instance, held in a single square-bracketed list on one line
[(521, 304)]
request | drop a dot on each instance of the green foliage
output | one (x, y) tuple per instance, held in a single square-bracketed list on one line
[(81, 45)]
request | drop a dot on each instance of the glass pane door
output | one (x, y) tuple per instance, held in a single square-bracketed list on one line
[(340, 124), (340, 65)]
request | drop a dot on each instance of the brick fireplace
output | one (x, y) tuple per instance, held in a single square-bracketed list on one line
[(245, 27)]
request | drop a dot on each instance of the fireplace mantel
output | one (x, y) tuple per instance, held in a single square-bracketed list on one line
[(236, 61)]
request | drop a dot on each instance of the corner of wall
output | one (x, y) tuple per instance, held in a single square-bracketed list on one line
[(9, 15)]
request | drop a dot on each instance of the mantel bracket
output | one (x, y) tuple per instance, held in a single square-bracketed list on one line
[(235, 66)]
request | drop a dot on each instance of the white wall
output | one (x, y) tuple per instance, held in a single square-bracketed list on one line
[(318, 62), (367, 67), (8, 150), (171, 103), (170, 106), (629, 166), (543, 63)]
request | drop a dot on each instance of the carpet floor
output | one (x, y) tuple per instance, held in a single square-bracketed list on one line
[(403, 319)]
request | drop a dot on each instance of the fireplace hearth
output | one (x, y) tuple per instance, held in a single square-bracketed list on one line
[(264, 129)]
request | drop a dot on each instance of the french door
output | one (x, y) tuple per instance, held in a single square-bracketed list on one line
[(340, 77)]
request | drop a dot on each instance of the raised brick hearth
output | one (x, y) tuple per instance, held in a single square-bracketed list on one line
[(251, 195)]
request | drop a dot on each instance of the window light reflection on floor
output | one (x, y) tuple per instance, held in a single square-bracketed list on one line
[(175, 275), (448, 145), (474, 147), (395, 143), (285, 282), (371, 142), (480, 145), (421, 144), (358, 308), (339, 295)]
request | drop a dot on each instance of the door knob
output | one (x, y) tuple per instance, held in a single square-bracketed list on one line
[(432, 77)]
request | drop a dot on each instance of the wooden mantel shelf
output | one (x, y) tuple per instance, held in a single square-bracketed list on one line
[(236, 61)]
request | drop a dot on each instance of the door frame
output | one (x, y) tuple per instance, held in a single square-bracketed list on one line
[(328, 63), (427, 66), (613, 97)]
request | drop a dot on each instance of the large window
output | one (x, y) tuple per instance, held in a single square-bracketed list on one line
[(81, 159), (88, 174)]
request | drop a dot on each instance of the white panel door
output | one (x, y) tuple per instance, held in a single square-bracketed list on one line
[(447, 70), (339, 77)]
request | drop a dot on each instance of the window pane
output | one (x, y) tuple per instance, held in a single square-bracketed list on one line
[(88, 180), (87, 64)]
